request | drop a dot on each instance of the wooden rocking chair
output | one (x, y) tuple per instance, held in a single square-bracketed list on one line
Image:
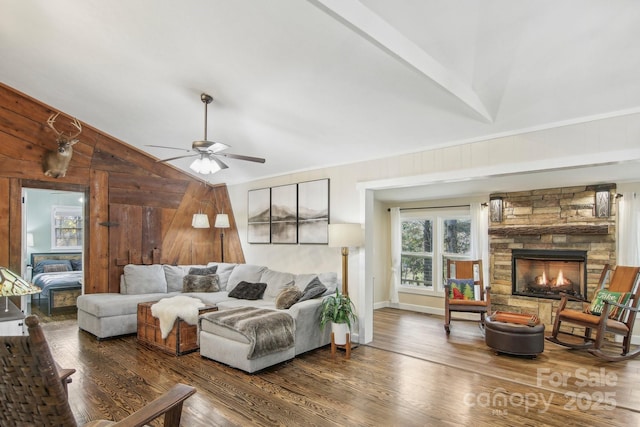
[(624, 279), (33, 388), (465, 270)]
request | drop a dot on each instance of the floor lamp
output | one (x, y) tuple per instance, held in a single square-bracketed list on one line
[(222, 222), (345, 236)]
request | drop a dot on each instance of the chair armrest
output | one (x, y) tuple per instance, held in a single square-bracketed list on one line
[(622, 306), (169, 404), (64, 375)]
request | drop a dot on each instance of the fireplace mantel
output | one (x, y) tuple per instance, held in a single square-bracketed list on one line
[(532, 230)]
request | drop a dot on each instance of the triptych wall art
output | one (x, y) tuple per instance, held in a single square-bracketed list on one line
[(290, 214)]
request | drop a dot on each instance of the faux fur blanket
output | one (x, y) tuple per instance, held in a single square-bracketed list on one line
[(268, 331), (167, 310)]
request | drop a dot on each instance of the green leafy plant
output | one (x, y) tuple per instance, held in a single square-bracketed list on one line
[(338, 308)]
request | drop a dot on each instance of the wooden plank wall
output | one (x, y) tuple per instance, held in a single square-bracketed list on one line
[(135, 206)]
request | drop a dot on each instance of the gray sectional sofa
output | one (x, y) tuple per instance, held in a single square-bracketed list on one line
[(112, 314)]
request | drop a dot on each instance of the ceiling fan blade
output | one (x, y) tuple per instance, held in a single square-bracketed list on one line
[(241, 157), (219, 162), (176, 158), (171, 148), (209, 146)]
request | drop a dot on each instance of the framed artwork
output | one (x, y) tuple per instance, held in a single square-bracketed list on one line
[(284, 214), (259, 216), (313, 212)]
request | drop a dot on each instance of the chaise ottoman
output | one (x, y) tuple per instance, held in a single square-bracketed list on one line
[(515, 334), (247, 338)]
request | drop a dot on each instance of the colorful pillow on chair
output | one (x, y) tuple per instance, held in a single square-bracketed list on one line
[(462, 289), (597, 305)]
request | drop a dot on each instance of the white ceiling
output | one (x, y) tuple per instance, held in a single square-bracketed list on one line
[(308, 84)]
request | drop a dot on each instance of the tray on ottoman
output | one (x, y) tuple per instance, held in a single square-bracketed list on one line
[(182, 339)]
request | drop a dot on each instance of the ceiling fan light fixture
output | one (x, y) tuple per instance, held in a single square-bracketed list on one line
[(205, 166)]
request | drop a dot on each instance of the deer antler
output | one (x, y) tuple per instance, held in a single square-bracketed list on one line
[(52, 119)]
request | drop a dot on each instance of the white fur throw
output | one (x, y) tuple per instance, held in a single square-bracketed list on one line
[(167, 310)]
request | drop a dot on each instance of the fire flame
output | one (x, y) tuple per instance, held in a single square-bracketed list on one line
[(560, 280)]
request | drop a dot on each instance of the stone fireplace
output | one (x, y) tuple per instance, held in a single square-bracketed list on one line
[(561, 220), (543, 273)]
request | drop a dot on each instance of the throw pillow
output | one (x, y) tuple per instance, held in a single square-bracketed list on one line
[(196, 283), (615, 313), (248, 290), (314, 289), (39, 267), (144, 279), (206, 271), (55, 268), (287, 297), (76, 264), (461, 289)]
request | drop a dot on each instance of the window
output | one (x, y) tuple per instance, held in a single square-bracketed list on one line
[(429, 237), (66, 227)]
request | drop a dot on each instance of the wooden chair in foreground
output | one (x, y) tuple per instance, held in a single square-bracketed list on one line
[(617, 316), (33, 388), (465, 303)]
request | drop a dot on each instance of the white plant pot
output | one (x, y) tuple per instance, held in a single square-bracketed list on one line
[(340, 331)]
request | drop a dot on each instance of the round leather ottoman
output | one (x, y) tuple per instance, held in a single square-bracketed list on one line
[(512, 338)]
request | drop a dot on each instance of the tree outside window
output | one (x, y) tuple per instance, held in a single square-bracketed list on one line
[(66, 227), (429, 237)]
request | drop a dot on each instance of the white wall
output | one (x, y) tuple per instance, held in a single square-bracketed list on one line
[(590, 143)]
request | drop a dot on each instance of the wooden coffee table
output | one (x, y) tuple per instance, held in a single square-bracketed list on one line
[(182, 339)]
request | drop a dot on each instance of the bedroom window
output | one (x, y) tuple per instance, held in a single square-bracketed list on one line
[(428, 239), (66, 227)]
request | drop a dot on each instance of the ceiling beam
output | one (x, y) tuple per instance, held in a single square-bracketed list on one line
[(372, 27)]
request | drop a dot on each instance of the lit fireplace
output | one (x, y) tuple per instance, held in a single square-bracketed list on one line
[(547, 273)]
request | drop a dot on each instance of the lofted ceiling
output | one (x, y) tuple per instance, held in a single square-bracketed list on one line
[(313, 83)]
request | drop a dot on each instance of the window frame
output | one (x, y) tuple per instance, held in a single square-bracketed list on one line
[(62, 210), (438, 217)]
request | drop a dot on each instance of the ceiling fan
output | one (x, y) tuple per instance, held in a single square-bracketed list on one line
[(207, 152)]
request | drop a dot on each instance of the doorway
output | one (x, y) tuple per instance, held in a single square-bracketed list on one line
[(52, 226)]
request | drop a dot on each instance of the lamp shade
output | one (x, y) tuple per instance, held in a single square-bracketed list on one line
[(12, 284), (200, 220), (345, 235), (222, 221)]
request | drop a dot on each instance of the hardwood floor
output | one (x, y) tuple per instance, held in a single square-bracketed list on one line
[(410, 375)]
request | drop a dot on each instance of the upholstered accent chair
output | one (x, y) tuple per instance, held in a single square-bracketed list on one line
[(465, 291), (613, 310), (34, 389)]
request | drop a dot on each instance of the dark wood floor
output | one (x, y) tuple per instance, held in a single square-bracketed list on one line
[(410, 375)]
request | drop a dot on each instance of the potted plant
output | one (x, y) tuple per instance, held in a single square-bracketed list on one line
[(340, 311)]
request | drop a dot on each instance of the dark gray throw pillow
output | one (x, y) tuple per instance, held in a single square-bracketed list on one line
[(287, 297), (314, 289), (194, 283), (207, 271), (247, 290)]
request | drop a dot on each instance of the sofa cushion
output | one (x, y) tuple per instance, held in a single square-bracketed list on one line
[(276, 281), (314, 289), (144, 279), (224, 271), (248, 290), (107, 305), (244, 273), (196, 283), (287, 297), (203, 271), (329, 279)]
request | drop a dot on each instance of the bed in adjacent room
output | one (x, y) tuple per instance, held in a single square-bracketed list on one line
[(59, 275)]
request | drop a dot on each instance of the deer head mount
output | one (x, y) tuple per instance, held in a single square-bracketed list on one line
[(55, 163)]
